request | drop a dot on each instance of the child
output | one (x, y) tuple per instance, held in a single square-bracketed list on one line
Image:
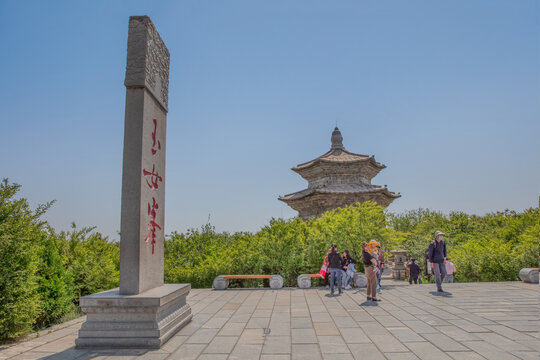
[(348, 268)]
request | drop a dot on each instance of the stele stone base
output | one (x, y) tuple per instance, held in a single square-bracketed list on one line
[(145, 320)]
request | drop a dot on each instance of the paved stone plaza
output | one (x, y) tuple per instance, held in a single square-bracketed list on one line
[(472, 321)]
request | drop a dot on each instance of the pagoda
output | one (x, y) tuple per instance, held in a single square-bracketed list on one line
[(336, 179)]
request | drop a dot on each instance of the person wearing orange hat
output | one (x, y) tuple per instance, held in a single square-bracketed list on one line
[(370, 269), (437, 258)]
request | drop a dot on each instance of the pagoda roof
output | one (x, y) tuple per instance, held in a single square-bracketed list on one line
[(340, 156), (340, 189)]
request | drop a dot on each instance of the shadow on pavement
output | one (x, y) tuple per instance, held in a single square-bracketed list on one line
[(87, 354), (443, 294), (332, 295), (370, 303)]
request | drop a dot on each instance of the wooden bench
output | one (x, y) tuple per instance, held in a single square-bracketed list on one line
[(221, 282), (304, 280), (247, 276)]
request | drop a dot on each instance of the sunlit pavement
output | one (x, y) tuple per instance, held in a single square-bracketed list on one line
[(469, 321)]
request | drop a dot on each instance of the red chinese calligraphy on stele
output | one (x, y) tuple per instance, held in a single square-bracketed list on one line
[(152, 180), (152, 225), (154, 151)]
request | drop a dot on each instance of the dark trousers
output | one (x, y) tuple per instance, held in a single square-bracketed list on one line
[(439, 270), (413, 278)]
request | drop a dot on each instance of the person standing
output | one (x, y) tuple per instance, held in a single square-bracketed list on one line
[(334, 263), (437, 258), (325, 271), (370, 268), (450, 270), (414, 271)]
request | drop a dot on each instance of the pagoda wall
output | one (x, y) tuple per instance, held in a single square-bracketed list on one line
[(338, 179), (315, 205), (364, 169)]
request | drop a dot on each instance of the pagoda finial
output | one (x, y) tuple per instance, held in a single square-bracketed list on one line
[(337, 140)]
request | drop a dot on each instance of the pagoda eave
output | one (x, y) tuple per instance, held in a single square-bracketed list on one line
[(359, 159), (315, 203), (307, 192)]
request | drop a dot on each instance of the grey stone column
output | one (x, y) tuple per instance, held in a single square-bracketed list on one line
[(143, 312), (143, 177)]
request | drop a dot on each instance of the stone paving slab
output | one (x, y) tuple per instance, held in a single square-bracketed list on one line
[(470, 321)]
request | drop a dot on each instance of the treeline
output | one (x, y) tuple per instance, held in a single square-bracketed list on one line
[(43, 273), (493, 247)]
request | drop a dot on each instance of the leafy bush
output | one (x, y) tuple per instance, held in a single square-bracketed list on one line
[(91, 261), (55, 285), (21, 232), (43, 274)]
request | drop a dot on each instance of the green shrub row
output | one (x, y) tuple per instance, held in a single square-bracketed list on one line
[(493, 247)]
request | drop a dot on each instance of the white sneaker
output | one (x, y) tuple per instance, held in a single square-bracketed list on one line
[(348, 287)]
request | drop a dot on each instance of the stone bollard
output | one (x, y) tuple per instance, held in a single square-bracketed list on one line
[(276, 282), (529, 275), (304, 281), (360, 280), (220, 283)]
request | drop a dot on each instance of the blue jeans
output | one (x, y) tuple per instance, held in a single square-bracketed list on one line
[(335, 273), (347, 277)]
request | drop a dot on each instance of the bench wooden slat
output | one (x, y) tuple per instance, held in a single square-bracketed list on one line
[(248, 276), (314, 275)]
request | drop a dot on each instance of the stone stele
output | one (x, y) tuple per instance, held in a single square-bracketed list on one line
[(144, 312)]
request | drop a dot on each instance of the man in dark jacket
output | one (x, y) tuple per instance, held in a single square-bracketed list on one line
[(437, 258), (414, 271), (334, 264)]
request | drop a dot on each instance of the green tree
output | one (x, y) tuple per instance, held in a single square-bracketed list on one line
[(21, 231)]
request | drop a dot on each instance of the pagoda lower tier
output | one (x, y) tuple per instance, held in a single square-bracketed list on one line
[(312, 203)]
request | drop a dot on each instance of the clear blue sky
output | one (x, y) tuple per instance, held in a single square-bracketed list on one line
[(445, 93)]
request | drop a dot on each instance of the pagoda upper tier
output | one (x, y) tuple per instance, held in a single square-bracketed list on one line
[(336, 179)]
